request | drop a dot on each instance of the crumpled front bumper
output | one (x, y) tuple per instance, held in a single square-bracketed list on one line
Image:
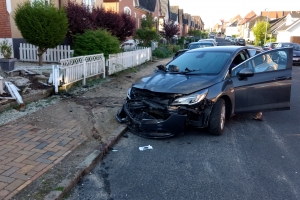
[(150, 127)]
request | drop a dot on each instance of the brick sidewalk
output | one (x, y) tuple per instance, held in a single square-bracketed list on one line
[(28, 150)]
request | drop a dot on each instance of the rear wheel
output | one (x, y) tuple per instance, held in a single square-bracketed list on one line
[(217, 118)]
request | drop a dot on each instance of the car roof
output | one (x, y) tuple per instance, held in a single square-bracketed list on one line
[(287, 43), (200, 42), (230, 49)]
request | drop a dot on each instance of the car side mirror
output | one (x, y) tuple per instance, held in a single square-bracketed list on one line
[(245, 73)]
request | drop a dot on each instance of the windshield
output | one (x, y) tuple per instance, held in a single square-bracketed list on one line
[(209, 63)]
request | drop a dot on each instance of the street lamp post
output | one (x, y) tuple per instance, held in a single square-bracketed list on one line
[(266, 26)]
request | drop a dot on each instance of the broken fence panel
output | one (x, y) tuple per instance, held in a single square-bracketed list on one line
[(13, 90)]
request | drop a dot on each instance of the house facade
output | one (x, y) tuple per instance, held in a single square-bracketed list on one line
[(232, 26), (243, 29), (9, 30), (289, 30)]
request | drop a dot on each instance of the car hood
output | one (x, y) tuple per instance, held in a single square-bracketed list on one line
[(175, 83)]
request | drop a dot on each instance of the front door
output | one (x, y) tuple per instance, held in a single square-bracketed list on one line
[(270, 86)]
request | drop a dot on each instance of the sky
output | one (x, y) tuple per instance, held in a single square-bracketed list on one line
[(212, 10)]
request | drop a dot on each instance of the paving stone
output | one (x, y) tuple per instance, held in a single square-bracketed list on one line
[(3, 185), (10, 171), (25, 169), (14, 185), (3, 193), (20, 176), (43, 160), (6, 179), (42, 145)]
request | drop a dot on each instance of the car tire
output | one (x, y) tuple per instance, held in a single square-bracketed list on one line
[(216, 122)]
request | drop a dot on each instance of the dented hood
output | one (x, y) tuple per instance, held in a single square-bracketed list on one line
[(175, 83)]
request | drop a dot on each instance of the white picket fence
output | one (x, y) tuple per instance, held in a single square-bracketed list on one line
[(28, 52), (80, 68), (125, 60)]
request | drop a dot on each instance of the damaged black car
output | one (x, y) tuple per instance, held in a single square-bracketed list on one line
[(204, 87)]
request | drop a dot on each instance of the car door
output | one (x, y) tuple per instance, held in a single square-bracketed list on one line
[(268, 83)]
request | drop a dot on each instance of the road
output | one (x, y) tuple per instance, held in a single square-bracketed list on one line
[(251, 160)]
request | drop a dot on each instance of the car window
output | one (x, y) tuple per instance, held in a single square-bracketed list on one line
[(274, 45), (209, 63), (193, 46), (265, 62)]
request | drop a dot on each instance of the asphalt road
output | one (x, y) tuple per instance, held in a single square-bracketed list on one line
[(251, 160)]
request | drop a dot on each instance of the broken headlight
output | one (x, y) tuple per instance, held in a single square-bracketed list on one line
[(129, 93), (190, 99)]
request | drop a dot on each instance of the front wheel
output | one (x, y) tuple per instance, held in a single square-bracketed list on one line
[(217, 118)]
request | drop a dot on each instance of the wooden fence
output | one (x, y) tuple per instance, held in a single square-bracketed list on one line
[(28, 52)]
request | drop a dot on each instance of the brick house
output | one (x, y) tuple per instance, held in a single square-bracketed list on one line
[(136, 8), (9, 29)]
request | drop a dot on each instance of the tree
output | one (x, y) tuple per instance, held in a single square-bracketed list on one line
[(129, 27), (41, 24), (195, 33), (259, 31), (80, 19), (148, 32), (170, 29)]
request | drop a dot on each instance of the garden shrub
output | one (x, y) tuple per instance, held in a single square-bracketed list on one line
[(96, 42), (176, 48), (162, 51)]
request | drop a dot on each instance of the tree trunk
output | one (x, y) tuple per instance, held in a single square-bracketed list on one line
[(40, 55)]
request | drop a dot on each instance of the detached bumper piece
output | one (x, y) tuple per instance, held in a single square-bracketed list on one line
[(150, 119)]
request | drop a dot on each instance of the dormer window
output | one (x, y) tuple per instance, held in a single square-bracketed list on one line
[(127, 10)]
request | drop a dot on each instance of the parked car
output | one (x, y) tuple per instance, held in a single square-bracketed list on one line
[(211, 40), (227, 38), (240, 42), (194, 45), (270, 46), (233, 41), (296, 50), (204, 86)]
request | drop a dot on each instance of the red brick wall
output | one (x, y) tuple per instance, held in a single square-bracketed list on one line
[(5, 30)]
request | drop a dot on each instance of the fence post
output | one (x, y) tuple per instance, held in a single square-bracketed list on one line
[(55, 71), (1, 85), (84, 71)]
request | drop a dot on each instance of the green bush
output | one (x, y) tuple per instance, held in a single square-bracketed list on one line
[(176, 48), (162, 52), (96, 42)]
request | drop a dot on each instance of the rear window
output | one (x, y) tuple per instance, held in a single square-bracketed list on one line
[(193, 46), (241, 40)]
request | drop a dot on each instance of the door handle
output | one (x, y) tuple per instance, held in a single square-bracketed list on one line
[(282, 78)]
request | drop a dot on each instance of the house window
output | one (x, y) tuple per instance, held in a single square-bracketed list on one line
[(89, 3), (143, 16), (134, 15), (155, 19), (127, 10), (47, 2)]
